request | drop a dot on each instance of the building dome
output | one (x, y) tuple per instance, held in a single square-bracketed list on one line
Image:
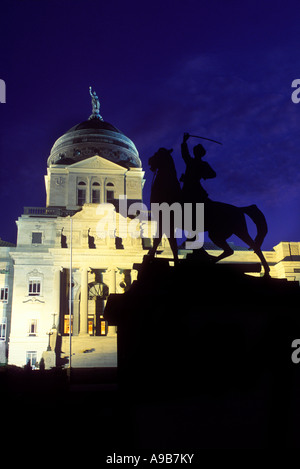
[(94, 137)]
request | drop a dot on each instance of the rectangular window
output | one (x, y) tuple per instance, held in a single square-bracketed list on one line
[(67, 324), (91, 327), (81, 197), (31, 357), (4, 294), (109, 196), (33, 327), (95, 196), (3, 329), (34, 288), (36, 238), (102, 327)]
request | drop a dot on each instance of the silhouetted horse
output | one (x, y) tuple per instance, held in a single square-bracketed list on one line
[(220, 220), (165, 188)]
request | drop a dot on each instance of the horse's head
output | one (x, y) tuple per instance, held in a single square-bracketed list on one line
[(162, 159)]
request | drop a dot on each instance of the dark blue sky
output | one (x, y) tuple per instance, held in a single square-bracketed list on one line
[(221, 69)]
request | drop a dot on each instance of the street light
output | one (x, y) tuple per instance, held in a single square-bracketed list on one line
[(70, 296), (54, 325), (49, 334)]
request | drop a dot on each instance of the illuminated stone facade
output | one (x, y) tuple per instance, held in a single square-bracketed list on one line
[(283, 259), (90, 166), (6, 289), (84, 187)]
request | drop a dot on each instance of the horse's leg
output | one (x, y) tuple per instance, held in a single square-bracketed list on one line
[(172, 239), (221, 243), (157, 238), (174, 247), (244, 236), (259, 253), (156, 242), (191, 236)]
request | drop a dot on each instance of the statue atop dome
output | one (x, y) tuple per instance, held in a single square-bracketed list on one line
[(95, 105)]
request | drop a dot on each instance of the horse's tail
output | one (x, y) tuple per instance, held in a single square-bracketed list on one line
[(259, 219)]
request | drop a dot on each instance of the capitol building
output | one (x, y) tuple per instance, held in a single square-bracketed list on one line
[(72, 254)]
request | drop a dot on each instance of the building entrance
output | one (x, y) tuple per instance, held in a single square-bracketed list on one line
[(98, 293)]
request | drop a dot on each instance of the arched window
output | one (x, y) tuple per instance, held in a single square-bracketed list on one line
[(95, 193), (110, 192), (81, 193)]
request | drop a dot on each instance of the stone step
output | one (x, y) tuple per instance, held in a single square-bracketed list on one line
[(91, 351)]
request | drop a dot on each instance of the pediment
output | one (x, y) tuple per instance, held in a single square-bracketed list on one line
[(97, 162)]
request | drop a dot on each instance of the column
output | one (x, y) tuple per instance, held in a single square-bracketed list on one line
[(88, 191), (84, 302), (56, 302), (76, 316), (102, 190), (112, 289), (113, 280)]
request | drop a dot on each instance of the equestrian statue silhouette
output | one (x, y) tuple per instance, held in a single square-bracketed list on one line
[(221, 220), (165, 188)]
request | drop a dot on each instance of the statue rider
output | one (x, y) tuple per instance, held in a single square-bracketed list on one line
[(196, 169)]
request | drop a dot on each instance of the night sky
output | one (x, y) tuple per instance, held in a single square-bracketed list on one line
[(221, 69)]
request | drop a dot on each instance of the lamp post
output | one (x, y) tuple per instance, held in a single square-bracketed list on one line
[(70, 298), (54, 325), (49, 334)]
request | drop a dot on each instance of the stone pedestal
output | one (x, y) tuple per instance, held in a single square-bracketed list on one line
[(213, 340), (84, 303), (49, 359), (2, 352)]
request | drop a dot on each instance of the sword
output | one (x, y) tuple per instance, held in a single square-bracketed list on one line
[(204, 138)]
